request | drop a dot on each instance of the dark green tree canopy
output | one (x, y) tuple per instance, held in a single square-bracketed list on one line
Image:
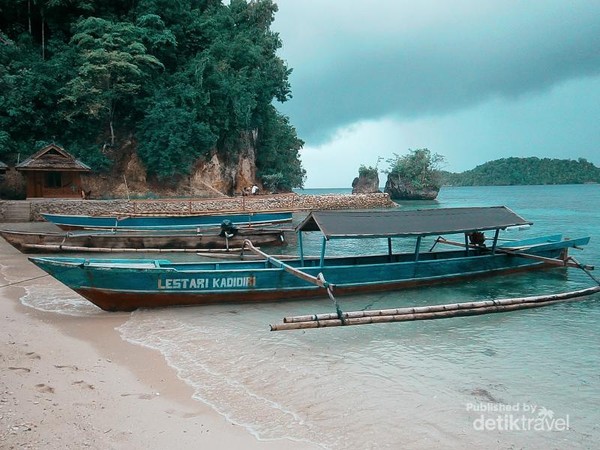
[(527, 171), (181, 78), (420, 167)]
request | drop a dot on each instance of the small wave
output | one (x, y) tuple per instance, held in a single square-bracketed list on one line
[(47, 294), (57, 299)]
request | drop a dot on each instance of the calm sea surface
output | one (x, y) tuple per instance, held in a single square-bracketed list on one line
[(525, 379)]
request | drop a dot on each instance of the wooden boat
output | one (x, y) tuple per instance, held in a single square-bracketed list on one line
[(139, 241), (125, 284), (167, 221)]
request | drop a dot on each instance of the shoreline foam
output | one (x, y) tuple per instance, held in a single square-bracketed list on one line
[(72, 382)]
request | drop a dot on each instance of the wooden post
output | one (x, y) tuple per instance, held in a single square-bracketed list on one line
[(495, 240), (322, 258), (126, 187), (417, 248)]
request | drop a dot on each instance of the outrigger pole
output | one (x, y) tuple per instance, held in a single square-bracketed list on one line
[(429, 312), (319, 280), (447, 310), (568, 262)]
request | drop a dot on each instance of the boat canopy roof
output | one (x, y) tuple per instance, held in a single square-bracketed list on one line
[(396, 223)]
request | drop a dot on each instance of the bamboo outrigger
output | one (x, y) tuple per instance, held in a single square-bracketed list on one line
[(124, 285), (429, 312)]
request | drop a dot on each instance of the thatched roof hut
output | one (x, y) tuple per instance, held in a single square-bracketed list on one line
[(52, 172)]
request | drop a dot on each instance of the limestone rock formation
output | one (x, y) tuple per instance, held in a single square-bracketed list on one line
[(228, 176), (399, 189), (366, 183), (214, 176)]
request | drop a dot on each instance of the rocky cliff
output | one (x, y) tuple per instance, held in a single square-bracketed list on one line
[(210, 177), (366, 184), (400, 189)]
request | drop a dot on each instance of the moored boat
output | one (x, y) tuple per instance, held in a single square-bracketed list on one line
[(140, 241), (124, 285), (166, 221)]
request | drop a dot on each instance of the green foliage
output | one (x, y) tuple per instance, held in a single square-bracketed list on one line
[(368, 172), (171, 139), (112, 65), (419, 167), (179, 77), (526, 171), (277, 160)]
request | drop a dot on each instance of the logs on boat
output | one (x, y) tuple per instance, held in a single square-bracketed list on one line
[(73, 248), (430, 312)]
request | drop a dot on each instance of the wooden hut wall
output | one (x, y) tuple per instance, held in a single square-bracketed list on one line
[(51, 184)]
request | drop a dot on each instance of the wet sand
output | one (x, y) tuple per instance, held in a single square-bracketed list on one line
[(71, 382)]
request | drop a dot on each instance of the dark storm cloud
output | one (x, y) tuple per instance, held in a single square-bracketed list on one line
[(395, 59)]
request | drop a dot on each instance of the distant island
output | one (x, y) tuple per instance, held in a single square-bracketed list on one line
[(525, 171)]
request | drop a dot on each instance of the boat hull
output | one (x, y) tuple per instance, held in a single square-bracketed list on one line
[(147, 241), (166, 222), (124, 285)]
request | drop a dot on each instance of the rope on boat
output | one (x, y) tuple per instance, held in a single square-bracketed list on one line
[(338, 310), (24, 281)]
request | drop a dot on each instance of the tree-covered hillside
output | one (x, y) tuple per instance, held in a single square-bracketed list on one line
[(525, 171), (178, 78)]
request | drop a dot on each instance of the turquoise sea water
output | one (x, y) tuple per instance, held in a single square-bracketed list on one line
[(525, 379)]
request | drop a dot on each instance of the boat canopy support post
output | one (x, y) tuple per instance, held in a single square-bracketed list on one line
[(389, 242), (323, 245), (495, 242), (418, 248), (300, 248)]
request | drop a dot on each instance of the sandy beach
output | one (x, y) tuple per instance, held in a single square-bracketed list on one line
[(72, 382)]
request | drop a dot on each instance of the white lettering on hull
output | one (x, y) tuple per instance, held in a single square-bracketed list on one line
[(205, 283)]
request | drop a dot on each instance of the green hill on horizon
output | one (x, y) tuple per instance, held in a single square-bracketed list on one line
[(526, 171)]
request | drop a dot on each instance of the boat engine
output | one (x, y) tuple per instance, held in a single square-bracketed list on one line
[(228, 229)]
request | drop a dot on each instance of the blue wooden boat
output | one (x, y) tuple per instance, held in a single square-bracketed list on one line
[(124, 284), (168, 221)]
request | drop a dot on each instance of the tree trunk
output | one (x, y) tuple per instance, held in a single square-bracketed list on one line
[(43, 36), (29, 15), (110, 123)]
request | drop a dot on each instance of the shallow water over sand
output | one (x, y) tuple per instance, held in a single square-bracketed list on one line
[(506, 380)]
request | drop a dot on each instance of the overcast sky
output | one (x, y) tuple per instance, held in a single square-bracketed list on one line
[(472, 80)]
